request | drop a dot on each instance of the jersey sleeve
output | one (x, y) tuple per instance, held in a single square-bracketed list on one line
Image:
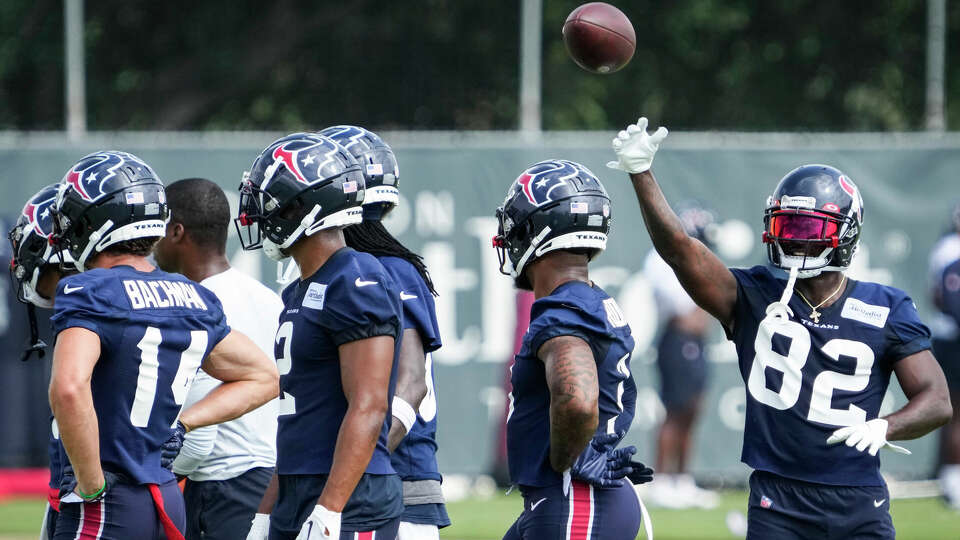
[(79, 304), (358, 308), (908, 334), (555, 320), (218, 320), (419, 312)]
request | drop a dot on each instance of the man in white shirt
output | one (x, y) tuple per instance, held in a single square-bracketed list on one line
[(228, 466)]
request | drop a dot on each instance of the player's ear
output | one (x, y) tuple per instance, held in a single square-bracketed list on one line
[(175, 232)]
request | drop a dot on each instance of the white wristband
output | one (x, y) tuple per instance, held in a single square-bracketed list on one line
[(404, 412)]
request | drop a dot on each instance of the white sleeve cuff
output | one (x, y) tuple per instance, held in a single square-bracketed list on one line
[(197, 445), (404, 412)]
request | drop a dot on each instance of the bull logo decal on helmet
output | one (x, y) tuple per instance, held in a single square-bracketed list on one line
[(294, 158), (537, 183), (89, 176)]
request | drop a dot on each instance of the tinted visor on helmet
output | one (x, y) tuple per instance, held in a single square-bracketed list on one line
[(801, 227)]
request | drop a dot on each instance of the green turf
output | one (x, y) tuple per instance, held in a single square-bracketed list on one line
[(475, 519)]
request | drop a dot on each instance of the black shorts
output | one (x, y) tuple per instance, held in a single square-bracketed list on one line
[(788, 509), (682, 364), (224, 509)]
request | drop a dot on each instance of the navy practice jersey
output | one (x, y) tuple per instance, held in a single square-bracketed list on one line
[(806, 379), (155, 329), (416, 456), (950, 291), (351, 297), (573, 309)]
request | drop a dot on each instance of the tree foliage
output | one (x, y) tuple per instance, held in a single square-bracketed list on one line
[(449, 64)]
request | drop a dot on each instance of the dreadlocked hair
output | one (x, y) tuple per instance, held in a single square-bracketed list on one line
[(370, 236)]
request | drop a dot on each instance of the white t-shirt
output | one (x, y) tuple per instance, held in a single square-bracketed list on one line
[(672, 299), (227, 450)]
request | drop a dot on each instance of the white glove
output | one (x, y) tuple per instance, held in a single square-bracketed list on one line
[(322, 524), (260, 529), (635, 149), (872, 435)]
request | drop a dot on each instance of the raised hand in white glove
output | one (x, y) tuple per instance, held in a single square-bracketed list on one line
[(322, 524), (870, 436), (635, 149), (260, 528)]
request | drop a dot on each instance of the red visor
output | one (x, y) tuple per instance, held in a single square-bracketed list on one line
[(803, 226)]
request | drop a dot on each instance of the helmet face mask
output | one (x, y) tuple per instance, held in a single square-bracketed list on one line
[(553, 205), (813, 221), (300, 184)]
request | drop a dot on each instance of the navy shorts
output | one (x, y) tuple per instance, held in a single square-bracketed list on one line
[(224, 509), (948, 355), (682, 364), (788, 509), (374, 506), (585, 513), (126, 512), (426, 514)]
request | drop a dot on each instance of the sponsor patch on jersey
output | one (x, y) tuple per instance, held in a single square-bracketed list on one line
[(866, 313), (316, 294), (798, 202)]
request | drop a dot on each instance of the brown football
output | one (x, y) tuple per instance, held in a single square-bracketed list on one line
[(599, 37)]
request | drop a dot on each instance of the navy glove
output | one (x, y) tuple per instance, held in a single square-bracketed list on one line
[(171, 448), (639, 473), (600, 465)]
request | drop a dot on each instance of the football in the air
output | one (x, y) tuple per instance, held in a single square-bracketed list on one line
[(599, 37)]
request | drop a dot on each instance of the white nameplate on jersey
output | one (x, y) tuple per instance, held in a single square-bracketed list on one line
[(316, 294), (614, 313), (161, 293), (798, 202), (865, 313)]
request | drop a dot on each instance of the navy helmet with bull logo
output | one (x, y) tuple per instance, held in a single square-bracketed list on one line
[(300, 184), (106, 198), (553, 204)]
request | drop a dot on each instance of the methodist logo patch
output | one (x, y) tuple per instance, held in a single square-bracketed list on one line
[(866, 313), (315, 296)]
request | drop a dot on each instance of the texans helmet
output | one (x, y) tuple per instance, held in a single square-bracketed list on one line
[(106, 198), (32, 250), (300, 184), (813, 221), (380, 170), (554, 204)]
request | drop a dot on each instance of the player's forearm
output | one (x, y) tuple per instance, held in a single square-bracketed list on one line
[(666, 231), (356, 442), (72, 406), (270, 496), (925, 412), (571, 428), (411, 388), (230, 400)]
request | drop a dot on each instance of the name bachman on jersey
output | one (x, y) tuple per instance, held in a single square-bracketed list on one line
[(162, 294)]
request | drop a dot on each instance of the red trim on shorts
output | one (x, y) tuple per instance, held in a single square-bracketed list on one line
[(369, 535), (91, 521), (580, 522), (171, 530)]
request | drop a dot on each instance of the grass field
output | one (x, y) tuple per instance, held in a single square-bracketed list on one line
[(473, 519)]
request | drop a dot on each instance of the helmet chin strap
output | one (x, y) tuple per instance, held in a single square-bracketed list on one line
[(781, 309)]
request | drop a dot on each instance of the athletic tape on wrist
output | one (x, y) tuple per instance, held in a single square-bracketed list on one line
[(404, 412)]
